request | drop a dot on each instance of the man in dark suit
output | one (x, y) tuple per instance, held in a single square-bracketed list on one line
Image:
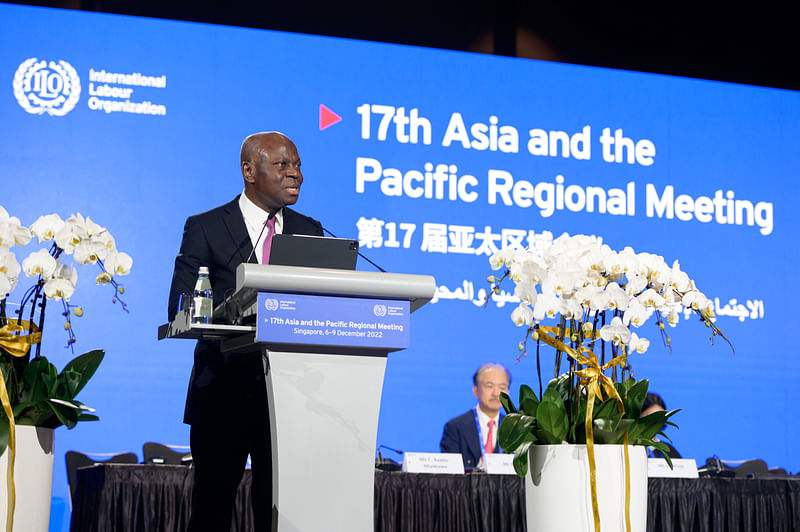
[(226, 405), (474, 433)]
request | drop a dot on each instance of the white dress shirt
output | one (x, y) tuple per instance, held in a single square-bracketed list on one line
[(483, 421), (254, 219)]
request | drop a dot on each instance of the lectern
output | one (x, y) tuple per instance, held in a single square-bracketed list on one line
[(325, 335)]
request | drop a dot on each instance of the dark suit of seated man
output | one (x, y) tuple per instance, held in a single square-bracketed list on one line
[(470, 433), (226, 405)]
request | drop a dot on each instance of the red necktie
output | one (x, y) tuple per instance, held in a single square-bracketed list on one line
[(490, 438), (268, 241)]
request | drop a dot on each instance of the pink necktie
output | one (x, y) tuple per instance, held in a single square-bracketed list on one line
[(490, 438), (268, 241)]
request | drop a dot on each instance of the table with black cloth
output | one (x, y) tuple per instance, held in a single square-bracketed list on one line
[(152, 498)]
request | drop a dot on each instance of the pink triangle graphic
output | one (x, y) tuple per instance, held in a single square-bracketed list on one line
[(327, 118)]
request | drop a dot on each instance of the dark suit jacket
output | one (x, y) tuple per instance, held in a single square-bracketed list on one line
[(460, 435), (218, 239)]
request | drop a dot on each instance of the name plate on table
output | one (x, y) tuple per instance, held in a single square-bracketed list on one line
[(433, 463), (331, 320), (499, 464), (682, 468)]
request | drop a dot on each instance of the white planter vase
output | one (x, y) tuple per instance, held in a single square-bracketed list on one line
[(33, 480), (558, 490)]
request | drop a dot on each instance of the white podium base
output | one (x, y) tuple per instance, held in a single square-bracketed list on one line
[(33, 480), (324, 421)]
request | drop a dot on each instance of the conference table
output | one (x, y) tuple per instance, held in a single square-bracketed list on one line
[(150, 498)]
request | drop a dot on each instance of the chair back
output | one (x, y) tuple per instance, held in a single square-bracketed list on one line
[(158, 453), (77, 460)]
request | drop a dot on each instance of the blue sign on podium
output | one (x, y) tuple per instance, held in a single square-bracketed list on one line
[(331, 320)]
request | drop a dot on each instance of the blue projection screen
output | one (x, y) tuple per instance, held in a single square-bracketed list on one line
[(432, 159)]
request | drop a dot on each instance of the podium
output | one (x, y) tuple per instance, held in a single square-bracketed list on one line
[(325, 336)]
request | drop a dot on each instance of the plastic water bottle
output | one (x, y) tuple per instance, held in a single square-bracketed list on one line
[(203, 297)]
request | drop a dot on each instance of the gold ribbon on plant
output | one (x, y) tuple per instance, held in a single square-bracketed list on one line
[(16, 338), (595, 381)]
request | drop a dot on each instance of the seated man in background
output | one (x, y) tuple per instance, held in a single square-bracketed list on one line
[(474, 433), (653, 403)]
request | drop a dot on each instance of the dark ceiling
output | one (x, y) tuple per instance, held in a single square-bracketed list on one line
[(755, 46)]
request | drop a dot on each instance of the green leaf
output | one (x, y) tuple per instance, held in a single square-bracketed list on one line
[(635, 397), (88, 417), (608, 409), (508, 404), (521, 463), (85, 365), (68, 383), (67, 415), (514, 430), (551, 417), (528, 401), (551, 395), (561, 385), (645, 428), (661, 446), (611, 431)]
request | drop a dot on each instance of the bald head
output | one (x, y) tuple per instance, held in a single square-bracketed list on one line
[(271, 170), (253, 144)]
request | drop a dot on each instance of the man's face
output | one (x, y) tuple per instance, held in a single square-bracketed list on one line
[(272, 175), (492, 382)]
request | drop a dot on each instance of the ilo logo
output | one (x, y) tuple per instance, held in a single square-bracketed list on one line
[(379, 310), (51, 87), (271, 304)]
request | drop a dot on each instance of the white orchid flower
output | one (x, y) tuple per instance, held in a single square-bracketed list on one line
[(39, 263), (72, 233), (651, 298), (527, 270), (121, 263), (637, 344), (679, 280), (64, 271), (90, 250), (497, 260), (6, 286), (526, 291), (636, 283), (522, 315), (695, 300), (46, 227), (59, 289), (547, 305), (3, 214), (636, 314), (502, 257), (615, 332), (12, 232), (673, 314), (103, 278), (561, 282), (9, 264), (617, 297), (570, 308), (593, 298)]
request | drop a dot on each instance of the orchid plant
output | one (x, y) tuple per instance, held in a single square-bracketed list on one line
[(597, 299), (37, 394)]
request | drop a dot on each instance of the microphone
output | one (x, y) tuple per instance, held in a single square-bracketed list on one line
[(387, 464), (366, 259), (388, 449), (272, 215)]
